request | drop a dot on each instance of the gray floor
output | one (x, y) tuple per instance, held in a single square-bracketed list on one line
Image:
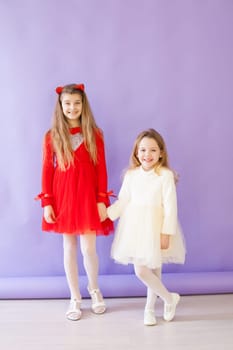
[(201, 322)]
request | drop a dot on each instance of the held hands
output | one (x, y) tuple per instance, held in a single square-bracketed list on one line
[(49, 215), (102, 211), (164, 241)]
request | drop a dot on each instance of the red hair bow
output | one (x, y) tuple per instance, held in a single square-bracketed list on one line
[(59, 89), (79, 87)]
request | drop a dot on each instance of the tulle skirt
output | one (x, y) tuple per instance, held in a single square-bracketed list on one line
[(137, 240), (75, 202)]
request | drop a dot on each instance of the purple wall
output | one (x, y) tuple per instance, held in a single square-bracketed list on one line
[(158, 63)]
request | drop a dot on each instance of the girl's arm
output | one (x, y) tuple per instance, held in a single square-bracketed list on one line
[(102, 179), (47, 180), (164, 241), (116, 209), (169, 204), (101, 170), (46, 195), (49, 215)]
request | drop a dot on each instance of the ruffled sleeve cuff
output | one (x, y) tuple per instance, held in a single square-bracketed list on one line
[(46, 199), (103, 197)]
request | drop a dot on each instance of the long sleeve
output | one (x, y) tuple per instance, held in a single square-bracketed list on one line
[(169, 204), (47, 172), (116, 209), (101, 170)]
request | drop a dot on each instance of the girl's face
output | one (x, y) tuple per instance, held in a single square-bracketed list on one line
[(148, 153), (72, 108)]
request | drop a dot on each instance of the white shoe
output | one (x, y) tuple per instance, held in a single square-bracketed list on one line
[(98, 305), (170, 309), (149, 317), (74, 312)]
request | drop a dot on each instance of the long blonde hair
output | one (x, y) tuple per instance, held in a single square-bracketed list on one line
[(152, 134), (60, 134)]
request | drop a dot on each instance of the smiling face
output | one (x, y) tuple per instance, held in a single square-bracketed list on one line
[(72, 108), (148, 153)]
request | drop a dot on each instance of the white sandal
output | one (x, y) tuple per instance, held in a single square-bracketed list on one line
[(98, 305), (74, 312), (149, 317)]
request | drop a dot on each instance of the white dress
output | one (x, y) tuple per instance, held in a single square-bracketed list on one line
[(147, 207)]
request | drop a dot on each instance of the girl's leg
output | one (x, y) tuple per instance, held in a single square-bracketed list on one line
[(90, 259), (71, 265), (71, 270), (149, 312), (91, 265), (151, 295), (154, 283)]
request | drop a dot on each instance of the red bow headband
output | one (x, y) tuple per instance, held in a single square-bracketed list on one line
[(59, 89)]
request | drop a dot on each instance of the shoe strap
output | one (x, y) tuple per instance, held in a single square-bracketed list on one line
[(93, 291)]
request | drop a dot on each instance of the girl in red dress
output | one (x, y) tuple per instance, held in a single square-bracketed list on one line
[(74, 190)]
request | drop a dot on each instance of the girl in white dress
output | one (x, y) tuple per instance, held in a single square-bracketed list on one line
[(147, 233)]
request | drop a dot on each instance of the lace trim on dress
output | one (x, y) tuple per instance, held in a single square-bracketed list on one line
[(76, 140)]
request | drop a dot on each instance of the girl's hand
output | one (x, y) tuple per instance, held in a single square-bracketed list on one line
[(164, 241), (49, 215), (102, 211)]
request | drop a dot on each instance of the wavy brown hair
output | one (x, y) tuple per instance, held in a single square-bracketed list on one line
[(60, 134), (151, 134)]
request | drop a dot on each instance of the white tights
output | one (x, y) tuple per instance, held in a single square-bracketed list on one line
[(90, 261), (152, 279)]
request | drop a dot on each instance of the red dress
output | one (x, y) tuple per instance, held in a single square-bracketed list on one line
[(75, 192)]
